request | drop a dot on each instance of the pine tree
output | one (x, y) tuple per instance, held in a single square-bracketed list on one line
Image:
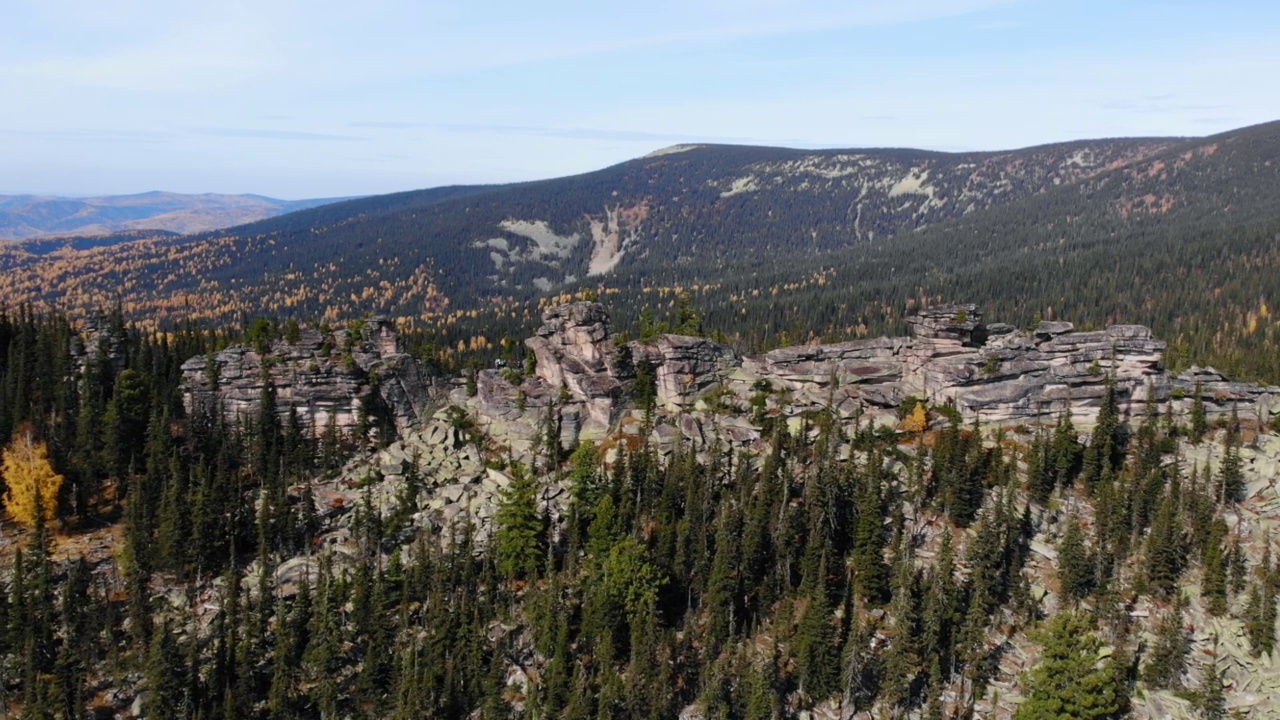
[(1167, 659), (1099, 458), (902, 660), (871, 574), (1065, 452), (1214, 564), (815, 651), (518, 528), (1166, 547), (1076, 567), (1260, 616), (165, 676), (1070, 683), (1199, 423), (1231, 473), (1211, 698)]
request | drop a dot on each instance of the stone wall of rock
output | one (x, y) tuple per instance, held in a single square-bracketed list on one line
[(325, 380), (684, 367), (993, 372)]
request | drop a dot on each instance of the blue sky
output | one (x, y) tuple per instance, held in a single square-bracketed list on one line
[(309, 98)]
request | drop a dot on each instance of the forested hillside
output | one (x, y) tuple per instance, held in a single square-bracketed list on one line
[(414, 254), (169, 564), (1178, 235)]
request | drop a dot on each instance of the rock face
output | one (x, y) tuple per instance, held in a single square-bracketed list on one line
[(684, 367), (999, 373), (326, 380), (993, 372), (99, 338), (574, 351)]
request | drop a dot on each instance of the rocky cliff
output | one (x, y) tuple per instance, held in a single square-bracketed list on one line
[(338, 379), (990, 372)]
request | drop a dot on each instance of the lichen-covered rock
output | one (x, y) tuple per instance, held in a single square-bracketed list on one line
[(947, 322)]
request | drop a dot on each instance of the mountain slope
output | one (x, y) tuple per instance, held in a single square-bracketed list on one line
[(1186, 241), (31, 216), (690, 206)]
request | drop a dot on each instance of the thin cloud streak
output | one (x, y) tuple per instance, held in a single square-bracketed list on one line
[(257, 134), (569, 133)]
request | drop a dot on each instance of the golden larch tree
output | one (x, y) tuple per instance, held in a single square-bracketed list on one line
[(30, 478), (917, 421)]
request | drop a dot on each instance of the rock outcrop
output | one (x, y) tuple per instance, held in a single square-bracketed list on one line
[(573, 350), (995, 373), (684, 367), (337, 380)]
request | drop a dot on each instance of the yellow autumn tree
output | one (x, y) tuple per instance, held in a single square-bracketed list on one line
[(917, 421), (31, 479)]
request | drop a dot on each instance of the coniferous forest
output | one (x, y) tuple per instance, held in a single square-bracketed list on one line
[(925, 571)]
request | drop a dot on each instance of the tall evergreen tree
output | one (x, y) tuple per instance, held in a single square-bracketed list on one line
[(518, 528), (1070, 683), (1075, 563)]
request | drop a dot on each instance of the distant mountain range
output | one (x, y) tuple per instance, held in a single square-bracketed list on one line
[(32, 216), (1182, 234)]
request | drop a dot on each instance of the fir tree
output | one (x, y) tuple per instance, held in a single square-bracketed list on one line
[(1070, 683), (1075, 564), (518, 528)]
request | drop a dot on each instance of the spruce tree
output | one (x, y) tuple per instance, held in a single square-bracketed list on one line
[(1167, 659), (1070, 683), (1199, 423), (1260, 617), (518, 528), (1166, 547), (1231, 473), (1211, 698), (1214, 567), (1075, 564), (165, 676), (871, 574)]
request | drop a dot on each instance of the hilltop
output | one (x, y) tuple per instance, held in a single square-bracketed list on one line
[(413, 253)]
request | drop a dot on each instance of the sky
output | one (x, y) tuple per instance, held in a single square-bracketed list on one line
[(315, 98)]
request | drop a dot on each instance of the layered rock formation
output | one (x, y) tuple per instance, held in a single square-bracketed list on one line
[(337, 380), (1000, 374), (684, 367), (995, 373)]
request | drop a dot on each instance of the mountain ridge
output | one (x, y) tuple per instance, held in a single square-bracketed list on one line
[(25, 217), (1089, 228), (466, 246)]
